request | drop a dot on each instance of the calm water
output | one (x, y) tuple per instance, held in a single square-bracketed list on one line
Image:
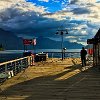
[(13, 54)]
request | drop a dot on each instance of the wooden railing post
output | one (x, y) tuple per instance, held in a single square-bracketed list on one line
[(52, 55), (29, 57), (21, 65), (5, 67), (26, 61), (15, 69)]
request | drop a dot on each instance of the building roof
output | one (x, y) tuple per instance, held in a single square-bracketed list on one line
[(97, 34)]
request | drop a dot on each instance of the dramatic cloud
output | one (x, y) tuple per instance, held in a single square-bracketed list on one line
[(16, 14), (80, 17)]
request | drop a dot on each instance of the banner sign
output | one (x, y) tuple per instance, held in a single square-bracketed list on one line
[(29, 41)]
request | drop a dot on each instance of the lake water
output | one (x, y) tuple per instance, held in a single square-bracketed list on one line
[(13, 54)]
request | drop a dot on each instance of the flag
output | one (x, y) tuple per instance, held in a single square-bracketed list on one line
[(34, 41)]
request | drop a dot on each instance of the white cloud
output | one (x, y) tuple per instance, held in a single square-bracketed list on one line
[(20, 4), (72, 40), (44, 0), (70, 37), (83, 43)]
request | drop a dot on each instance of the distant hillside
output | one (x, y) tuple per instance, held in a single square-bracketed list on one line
[(1, 47), (12, 42), (9, 40), (46, 43)]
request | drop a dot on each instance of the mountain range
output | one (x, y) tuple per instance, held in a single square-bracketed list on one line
[(11, 42), (44, 42)]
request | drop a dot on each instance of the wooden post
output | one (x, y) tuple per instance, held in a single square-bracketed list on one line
[(5, 67), (29, 61), (21, 65), (52, 55), (15, 68)]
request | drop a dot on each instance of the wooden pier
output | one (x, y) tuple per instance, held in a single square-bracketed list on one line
[(54, 79)]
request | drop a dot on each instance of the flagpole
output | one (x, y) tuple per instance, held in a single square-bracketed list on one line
[(33, 49)]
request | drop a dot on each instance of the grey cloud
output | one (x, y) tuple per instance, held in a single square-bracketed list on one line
[(10, 13), (20, 19), (81, 11), (73, 1), (82, 1)]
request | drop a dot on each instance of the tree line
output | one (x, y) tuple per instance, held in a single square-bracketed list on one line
[(1, 47)]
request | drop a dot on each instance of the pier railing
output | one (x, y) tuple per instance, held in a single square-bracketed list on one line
[(18, 64), (65, 54), (13, 67)]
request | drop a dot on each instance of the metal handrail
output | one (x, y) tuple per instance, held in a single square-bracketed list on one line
[(15, 66)]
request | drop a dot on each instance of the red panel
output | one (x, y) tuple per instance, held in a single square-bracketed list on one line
[(90, 51), (27, 41)]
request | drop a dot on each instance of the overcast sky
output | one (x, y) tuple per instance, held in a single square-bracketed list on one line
[(44, 17)]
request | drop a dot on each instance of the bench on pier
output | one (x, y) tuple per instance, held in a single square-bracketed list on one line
[(3, 76)]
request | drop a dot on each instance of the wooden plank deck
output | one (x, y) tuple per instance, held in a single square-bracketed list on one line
[(54, 80)]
